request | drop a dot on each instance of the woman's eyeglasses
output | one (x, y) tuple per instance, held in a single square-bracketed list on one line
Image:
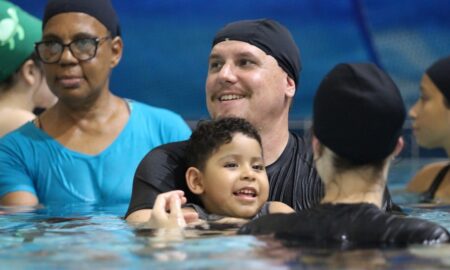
[(83, 49)]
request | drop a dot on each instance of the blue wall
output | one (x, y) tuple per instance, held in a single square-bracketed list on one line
[(167, 43)]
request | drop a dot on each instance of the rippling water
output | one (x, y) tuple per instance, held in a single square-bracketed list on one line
[(83, 236)]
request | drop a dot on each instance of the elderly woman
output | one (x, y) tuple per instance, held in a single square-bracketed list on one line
[(358, 119), (431, 123)]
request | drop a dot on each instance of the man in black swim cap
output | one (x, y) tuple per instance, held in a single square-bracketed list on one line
[(253, 73)]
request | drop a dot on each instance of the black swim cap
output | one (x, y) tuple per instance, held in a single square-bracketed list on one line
[(102, 10), (358, 113), (439, 73), (269, 36)]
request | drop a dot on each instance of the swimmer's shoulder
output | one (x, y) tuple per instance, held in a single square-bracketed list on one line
[(425, 177)]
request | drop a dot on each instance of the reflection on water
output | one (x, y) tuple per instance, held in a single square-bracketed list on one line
[(96, 237)]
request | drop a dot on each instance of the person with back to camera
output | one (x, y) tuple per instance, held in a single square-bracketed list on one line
[(87, 146), (431, 125), (226, 171), (357, 123), (253, 73), (23, 87)]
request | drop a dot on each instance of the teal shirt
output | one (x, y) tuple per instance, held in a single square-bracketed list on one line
[(31, 160)]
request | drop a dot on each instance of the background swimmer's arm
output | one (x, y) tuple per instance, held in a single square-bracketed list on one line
[(19, 198), (423, 179), (279, 207)]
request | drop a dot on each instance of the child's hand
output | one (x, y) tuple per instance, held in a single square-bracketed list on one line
[(167, 212)]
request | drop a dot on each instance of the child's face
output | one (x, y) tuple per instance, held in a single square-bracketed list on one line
[(234, 179)]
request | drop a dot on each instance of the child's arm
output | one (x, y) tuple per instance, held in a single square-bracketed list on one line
[(279, 207), (167, 212)]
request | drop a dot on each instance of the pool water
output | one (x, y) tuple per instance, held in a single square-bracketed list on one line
[(80, 236)]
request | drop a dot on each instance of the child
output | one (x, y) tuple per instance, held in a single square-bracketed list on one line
[(226, 171)]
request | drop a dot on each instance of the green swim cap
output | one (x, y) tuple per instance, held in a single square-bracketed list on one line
[(18, 33)]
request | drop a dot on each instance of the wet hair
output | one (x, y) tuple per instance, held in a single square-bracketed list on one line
[(209, 136), (342, 164)]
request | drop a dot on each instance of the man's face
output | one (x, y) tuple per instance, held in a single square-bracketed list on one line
[(70, 79), (234, 179), (244, 81), (431, 118)]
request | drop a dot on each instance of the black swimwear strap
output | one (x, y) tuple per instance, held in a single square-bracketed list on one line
[(428, 195), (202, 214)]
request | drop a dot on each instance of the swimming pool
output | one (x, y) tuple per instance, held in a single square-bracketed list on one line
[(80, 236)]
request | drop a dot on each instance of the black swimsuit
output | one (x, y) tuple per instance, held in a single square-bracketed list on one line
[(347, 226), (203, 214), (428, 195)]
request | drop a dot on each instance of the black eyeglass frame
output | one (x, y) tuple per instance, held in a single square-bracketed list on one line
[(96, 42)]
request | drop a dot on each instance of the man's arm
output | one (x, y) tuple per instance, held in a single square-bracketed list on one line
[(19, 198)]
